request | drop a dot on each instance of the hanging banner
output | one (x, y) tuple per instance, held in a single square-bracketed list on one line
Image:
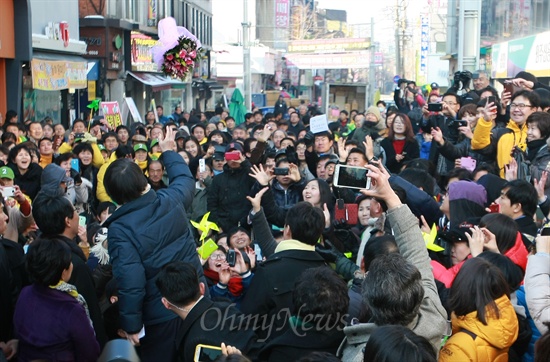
[(111, 112), (530, 54), (58, 74), (281, 13)]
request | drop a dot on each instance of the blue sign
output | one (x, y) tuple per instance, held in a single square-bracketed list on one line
[(396, 79), (425, 44)]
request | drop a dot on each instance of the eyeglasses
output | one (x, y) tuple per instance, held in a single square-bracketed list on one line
[(520, 106), (217, 257), (450, 103)]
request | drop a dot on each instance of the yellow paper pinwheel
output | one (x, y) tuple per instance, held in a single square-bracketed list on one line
[(429, 239), (205, 226)]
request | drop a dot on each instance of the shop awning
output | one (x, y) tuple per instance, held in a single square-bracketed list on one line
[(157, 81)]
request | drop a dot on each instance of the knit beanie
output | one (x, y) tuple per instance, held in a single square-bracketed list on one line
[(374, 110)]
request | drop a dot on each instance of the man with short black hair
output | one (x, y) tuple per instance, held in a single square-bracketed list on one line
[(160, 112), (518, 200), (35, 132), (200, 319), (270, 293), (55, 216), (148, 230)]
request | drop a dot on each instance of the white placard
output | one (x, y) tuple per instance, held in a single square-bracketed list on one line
[(318, 124), (129, 102)]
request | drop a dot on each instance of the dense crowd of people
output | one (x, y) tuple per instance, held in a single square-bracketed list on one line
[(197, 238)]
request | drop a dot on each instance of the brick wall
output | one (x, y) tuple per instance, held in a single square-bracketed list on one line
[(91, 7)]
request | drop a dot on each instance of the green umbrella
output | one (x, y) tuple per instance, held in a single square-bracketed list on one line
[(237, 109)]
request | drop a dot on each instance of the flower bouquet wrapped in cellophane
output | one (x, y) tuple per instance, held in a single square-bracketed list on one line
[(177, 49)]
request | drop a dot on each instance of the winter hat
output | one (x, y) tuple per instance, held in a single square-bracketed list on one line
[(374, 110), (468, 190)]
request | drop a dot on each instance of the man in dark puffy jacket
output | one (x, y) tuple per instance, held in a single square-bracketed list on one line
[(147, 231), (287, 189), (227, 201)]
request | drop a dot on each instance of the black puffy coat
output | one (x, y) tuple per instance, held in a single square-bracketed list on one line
[(144, 235), (227, 201)]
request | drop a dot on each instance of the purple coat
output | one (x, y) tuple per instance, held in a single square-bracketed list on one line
[(52, 325)]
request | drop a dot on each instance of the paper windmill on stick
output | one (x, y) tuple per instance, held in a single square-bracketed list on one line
[(94, 106), (205, 226)]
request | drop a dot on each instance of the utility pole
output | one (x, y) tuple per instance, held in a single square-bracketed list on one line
[(247, 75), (469, 22), (372, 75), (398, 68)]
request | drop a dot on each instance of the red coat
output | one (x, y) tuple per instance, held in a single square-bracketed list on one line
[(517, 253)]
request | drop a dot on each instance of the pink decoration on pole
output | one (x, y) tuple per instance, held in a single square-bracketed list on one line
[(172, 36)]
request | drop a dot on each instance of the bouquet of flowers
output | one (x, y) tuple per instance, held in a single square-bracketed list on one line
[(177, 49)]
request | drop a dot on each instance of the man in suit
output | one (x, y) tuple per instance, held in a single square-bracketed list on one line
[(201, 321)]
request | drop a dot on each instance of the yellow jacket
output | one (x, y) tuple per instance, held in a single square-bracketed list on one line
[(505, 143), (491, 342), (97, 159), (101, 193)]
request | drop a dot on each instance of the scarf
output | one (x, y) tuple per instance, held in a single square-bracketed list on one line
[(533, 148), (235, 285), (71, 290)]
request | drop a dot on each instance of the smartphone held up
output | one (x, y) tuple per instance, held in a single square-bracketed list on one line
[(351, 177)]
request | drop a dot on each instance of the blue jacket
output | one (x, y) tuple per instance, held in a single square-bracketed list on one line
[(144, 235)]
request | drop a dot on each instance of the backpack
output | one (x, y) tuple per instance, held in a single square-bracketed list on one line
[(524, 170)]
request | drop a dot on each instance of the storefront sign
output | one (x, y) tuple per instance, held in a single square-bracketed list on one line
[(530, 54), (281, 13), (58, 75), (142, 54), (330, 61), (317, 45), (111, 112), (96, 47)]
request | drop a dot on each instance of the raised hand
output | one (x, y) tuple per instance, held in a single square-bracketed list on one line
[(251, 256), (265, 134), (294, 173), (437, 135), (476, 241), (342, 153), (540, 185), (369, 147), (225, 273), (511, 170), (166, 142), (380, 185), (260, 175), (256, 201)]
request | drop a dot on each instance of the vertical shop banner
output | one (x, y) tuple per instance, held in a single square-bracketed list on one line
[(152, 7), (281, 13), (424, 45), (58, 75), (111, 112)]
